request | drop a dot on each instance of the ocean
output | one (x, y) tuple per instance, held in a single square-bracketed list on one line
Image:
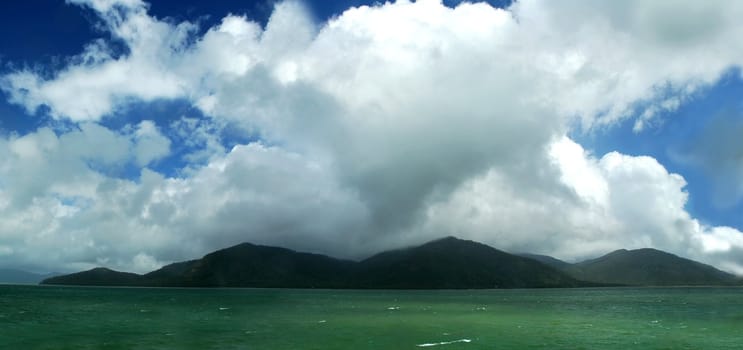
[(48, 317)]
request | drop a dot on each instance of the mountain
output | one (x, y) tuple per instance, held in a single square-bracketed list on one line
[(445, 263), (171, 275), (99, 276), (244, 265), (452, 263), (547, 260), (648, 267), (12, 276), (249, 265)]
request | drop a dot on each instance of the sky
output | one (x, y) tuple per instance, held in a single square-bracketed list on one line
[(134, 134)]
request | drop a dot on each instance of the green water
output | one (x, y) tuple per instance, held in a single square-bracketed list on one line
[(34, 317)]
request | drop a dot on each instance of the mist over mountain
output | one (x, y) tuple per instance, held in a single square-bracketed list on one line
[(547, 260)]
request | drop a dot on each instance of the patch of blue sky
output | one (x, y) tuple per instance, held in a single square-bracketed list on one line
[(56, 30), (15, 119), (78, 202), (676, 141), (185, 126), (209, 13)]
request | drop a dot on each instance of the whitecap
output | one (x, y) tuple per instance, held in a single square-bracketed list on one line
[(393, 308), (444, 343), (223, 308)]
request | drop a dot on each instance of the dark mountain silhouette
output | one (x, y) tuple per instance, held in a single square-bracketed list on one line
[(648, 267), (99, 276), (13, 276), (172, 275), (447, 263), (249, 265), (453, 263)]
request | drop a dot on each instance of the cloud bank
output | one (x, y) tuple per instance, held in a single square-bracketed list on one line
[(385, 126)]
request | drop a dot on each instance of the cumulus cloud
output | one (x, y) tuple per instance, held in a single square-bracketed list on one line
[(41, 162), (600, 204), (149, 144), (633, 58), (387, 125), (257, 193), (96, 83)]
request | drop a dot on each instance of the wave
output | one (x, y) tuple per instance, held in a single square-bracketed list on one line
[(444, 342)]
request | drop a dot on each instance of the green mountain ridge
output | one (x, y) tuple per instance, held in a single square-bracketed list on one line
[(648, 267), (454, 263), (447, 263)]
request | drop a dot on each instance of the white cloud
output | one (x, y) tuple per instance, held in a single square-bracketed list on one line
[(109, 5), (632, 54), (614, 202), (149, 144), (42, 163), (387, 125), (201, 135), (256, 193), (99, 84), (597, 60)]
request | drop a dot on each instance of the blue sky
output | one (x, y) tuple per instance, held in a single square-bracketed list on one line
[(138, 133)]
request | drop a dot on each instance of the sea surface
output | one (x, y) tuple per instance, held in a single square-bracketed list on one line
[(40, 317)]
